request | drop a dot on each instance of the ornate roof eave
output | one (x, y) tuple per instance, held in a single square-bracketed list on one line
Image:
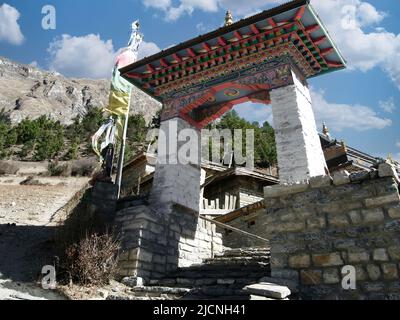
[(189, 62), (218, 32)]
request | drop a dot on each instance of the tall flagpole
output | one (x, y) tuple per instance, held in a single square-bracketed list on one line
[(118, 179), (133, 44), (119, 100)]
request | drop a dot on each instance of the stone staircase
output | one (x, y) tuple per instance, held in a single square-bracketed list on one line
[(223, 277)]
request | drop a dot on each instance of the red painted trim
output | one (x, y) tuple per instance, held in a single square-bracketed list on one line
[(326, 51), (222, 41), (134, 75), (164, 63), (227, 47), (300, 13), (237, 54), (334, 64), (238, 35), (312, 28), (151, 68), (319, 40), (177, 57), (272, 22), (306, 48), (254, 29), (183, 113), (191, 52), (206, 46)]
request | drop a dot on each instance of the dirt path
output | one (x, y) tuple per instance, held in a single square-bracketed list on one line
[(27, 232)]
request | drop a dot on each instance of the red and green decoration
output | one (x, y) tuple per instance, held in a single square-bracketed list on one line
[(289, 34)]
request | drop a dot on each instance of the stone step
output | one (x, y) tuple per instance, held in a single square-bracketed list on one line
[(160, 290), (222, 277), (206, 281), (245, 252), (131, 297), (222, 269), (292, 285), (190, 276), (152, 293), (230, 264), (237, 260), (268, 290), (255, 297)]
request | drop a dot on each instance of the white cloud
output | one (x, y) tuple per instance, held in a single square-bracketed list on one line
[(337, 116), (147, 49), (242, 8), (388, 105), (158, 4), (346, 116), (398, 144), (255, 112), (34, 64), (363, 50), (88, 56), (10, 30), (173, 13), (201, 27)]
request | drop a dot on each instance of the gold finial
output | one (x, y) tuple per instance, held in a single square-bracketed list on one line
[(390, 158), (325, 130), (228, 18), (343, 144)]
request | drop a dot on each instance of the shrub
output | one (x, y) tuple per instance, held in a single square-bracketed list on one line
[(51, 142), (92, 261), (27, 149), (84, 167), (56, 170), (72, 153)]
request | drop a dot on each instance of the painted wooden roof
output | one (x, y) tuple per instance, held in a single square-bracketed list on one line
[(293, 28)]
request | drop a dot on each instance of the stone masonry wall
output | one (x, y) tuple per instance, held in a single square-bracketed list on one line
[(154, 244), (317, 227)]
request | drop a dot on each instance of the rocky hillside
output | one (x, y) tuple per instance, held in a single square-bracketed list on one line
[(26, 91)]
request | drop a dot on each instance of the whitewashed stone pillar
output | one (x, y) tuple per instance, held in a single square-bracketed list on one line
[(177, 181), (300, 154)]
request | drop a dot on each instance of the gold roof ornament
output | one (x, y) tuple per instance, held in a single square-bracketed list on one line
[(343, 145), (390, 158), (228, 18), (325, 130)]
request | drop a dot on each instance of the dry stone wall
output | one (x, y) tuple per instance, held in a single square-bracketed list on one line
[(318, 227), (155, 243)]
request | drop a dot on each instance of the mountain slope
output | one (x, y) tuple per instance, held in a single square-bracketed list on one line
[(28, 92)]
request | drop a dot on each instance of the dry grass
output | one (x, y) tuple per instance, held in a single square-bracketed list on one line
[(92, 261), (89, 249)]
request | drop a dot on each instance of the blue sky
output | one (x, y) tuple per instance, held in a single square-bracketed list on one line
[(360, 105)]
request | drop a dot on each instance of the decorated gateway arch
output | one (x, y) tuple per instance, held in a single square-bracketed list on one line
[(266, 58)]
